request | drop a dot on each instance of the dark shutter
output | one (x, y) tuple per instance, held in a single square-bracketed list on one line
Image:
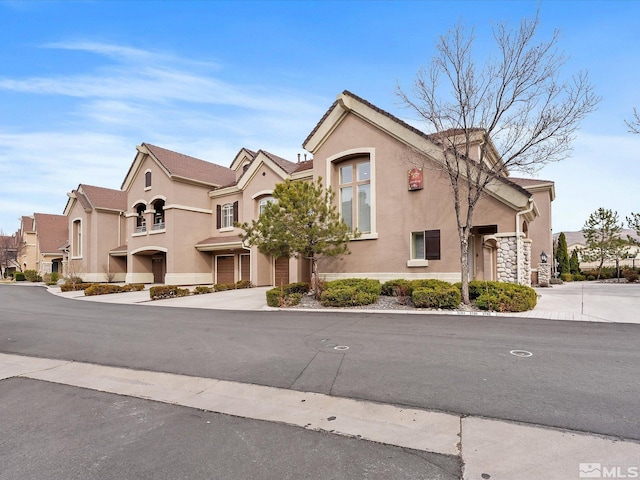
[(218, 216), (235, 212), (432, 244)]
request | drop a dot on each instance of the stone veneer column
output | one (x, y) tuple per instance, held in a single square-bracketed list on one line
[(544, 274), (525, 266), (507, 261)]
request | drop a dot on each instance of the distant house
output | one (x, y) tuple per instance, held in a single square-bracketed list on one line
[(51, 234), (27, 254), (9, 245), (369, 156), (96, 223)]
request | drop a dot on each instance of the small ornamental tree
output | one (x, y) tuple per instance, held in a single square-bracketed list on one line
[(562, 255), (301, 222), (634, 224), (602, 235)]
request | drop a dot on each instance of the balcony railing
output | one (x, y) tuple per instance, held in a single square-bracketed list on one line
[(141, 228), (158, 226)]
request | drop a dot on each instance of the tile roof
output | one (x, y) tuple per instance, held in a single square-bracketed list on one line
[(99, 197), (305, 165), (52, 231), (27, 223), (180, 165), (286, 165)]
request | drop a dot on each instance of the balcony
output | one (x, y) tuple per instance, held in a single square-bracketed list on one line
[(158, 226)]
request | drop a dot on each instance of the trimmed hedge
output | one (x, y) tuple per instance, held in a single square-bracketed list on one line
[(201, 289), (401, 287), (73, 287), (287, 295), (221, 287), (19, 276), (507, 297), (439, 296), (106, 288), (350, 292), (167, 291)]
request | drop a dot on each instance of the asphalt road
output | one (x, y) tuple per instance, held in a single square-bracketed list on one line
[(582, 376), (52, 431)]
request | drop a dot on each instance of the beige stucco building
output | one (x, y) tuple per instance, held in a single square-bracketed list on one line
[(409, 231), (173, 220)]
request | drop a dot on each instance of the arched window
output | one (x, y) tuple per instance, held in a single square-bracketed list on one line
[(147, 179), (158, 217), (262, 204), (355, 193), (141, 224)]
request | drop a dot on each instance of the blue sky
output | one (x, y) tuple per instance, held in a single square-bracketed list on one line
[(82, 83)]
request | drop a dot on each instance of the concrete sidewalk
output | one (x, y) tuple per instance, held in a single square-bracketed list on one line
[(489, 449), (581, 301)]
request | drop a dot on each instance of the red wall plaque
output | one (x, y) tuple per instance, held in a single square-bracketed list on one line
[(415, 179)]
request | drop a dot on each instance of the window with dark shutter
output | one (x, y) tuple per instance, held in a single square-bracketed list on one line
[(218, 216), (432, 244), (235, 212), (147, 179)]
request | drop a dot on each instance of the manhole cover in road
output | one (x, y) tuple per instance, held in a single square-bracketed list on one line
[(341, 347), (521, 353)]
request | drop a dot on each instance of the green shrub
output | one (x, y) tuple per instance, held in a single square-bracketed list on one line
[(106, 288), (73, 280), (221, 287), (364, 284), (630, 275), (391, 288), (577, 277), (287, 295), (32, 276), (19, 276), (347, 296), (55, 277), (277, 297), (243, 284), (507, 297), (566, 277), (591, 278), (167, 291), (199, 290), (439, 296)]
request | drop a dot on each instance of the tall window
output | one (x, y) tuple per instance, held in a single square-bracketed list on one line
[(77, 238), (355, 195), (158, 217), (227, 215), (141, 225), (147, 180)]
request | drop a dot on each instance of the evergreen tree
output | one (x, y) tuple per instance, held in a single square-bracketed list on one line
[(562, 255), (301, 222), (574, 263), (602, 234)]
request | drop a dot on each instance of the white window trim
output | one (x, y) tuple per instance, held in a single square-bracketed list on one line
[(224, 216), (148, 170), (226, 229), (331, 167)]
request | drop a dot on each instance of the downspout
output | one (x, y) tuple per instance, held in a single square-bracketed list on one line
[(529, 209)]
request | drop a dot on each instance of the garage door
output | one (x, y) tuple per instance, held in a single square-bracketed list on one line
[(224, 269), (281, 271)]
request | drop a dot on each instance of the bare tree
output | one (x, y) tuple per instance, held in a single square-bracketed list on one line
[(8, 252), (513, 112), (634, 123)]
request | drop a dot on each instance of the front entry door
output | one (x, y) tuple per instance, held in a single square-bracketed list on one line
[(158, 268)]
